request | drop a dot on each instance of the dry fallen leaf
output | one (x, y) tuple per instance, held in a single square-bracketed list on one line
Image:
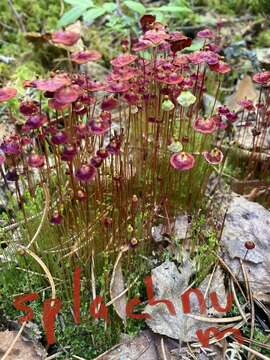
[(117, 286), (245, 89), (36, 37)]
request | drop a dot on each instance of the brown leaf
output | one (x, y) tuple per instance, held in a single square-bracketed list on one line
[(245, 89), (36, 37), (117, 286)]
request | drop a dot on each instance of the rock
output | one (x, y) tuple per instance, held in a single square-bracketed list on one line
[(248, 220), (3, 198), (208, 103), (244, 138), (169, 284), (7, 59), (95, 68), (245, 89), (263, 56), (6, 129), (24, 349), (180, 229)]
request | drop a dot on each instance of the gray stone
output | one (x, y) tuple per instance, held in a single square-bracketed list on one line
[(3, 197), (180, 229), (24, 348), (208, 103), (244, 138), (263, 56), (245, 221), (169, 284)]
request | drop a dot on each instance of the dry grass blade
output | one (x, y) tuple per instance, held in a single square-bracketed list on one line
[(94, 293), (45, 269), (163, 349), (209, 282), (215, 320), (213, 340), (78, 357), (54, 356), (36, 273), (101, 356), (122, 293), (257, 343), (237, 301), (256, 353), (252, 326), (262, 306), (232, 275), (191, 352), (44, 215), (52, 285)]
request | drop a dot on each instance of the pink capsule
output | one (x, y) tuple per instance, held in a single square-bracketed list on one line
[(59, 138), (205, 126), (7, 93), (56, 219), (36, 161), (214, 156), (67, 38), (182, 161), (123, 60), (86, 173), (83, 57), (29, 107)]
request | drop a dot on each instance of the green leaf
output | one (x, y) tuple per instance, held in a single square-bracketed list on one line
[(160, 17), (71, 16), (175, 9), (93, 14), (109, 7), (196, 45), (180, 3), (135, 6), (83, 3)]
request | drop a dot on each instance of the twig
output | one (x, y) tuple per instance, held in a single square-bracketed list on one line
[(17, 16), (6, 26)]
